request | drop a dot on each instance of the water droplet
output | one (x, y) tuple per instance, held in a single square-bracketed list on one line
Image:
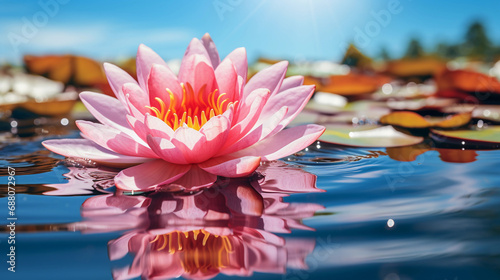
[(13, 124)]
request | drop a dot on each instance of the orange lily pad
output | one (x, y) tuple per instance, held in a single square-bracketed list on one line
[(468, 81), (367, 136), (49, 108), (408, 119), (352, 84), (416, 67)]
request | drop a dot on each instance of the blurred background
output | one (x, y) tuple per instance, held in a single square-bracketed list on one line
[(296, 30), (346, 48)]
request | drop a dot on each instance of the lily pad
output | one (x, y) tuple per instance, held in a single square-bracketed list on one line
[(367, 136), (352, 84), (468, 81), (488, 138), (413, 120)]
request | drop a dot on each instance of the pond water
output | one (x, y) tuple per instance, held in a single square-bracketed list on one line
[(431, 214)]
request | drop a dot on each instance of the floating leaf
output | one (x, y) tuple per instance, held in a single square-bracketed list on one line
[(488, 138), (50, 108), (413, 120), (416, 67), (352, 84), (367, 136), (469, 81)]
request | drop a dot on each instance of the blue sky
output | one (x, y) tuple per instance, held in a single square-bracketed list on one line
[(293, 29)]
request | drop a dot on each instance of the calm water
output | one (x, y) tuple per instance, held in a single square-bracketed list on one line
[(437, 217)]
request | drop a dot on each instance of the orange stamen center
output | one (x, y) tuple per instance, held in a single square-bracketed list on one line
[(194, 110), (199, 250)]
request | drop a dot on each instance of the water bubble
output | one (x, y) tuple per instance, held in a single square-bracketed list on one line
[(390, 223), (387, 89), (64, 121)]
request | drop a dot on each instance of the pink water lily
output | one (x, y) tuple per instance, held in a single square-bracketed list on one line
[(205, 122)]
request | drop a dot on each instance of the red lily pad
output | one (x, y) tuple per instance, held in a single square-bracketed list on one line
[(367, 136)]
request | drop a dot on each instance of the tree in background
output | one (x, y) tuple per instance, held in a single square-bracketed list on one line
[(384, 54), (354, 58), (477, 45), (448, 51), (414, 49)]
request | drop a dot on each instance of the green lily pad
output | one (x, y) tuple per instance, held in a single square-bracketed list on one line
[(367, 136), (488, 138)]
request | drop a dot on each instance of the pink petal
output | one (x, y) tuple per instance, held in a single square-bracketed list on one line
[(160, 79), (269, 78), (216, 131), (114, 140), (291, 82), (284, 143), (106, 109), (295, 99), (247, 117), (239, 59), (231, 167), (135, 109), (83, 148), (158, 128), (211, 50), (262, 131), (227, 80), (203, 76), (136, 96), (196, 178), (139, 127), (146, 57), (149, 175), (166, 150), (192, 143), (117, 78), (195, 53)]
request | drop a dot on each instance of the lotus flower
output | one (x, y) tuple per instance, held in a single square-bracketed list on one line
[(207, 121)]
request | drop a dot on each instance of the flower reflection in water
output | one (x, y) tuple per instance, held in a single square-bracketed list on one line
[(226, 229)]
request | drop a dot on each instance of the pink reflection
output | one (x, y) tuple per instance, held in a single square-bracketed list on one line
[(85, 180), (223, 229)]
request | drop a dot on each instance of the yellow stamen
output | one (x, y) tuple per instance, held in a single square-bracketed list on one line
[(194, 109)]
